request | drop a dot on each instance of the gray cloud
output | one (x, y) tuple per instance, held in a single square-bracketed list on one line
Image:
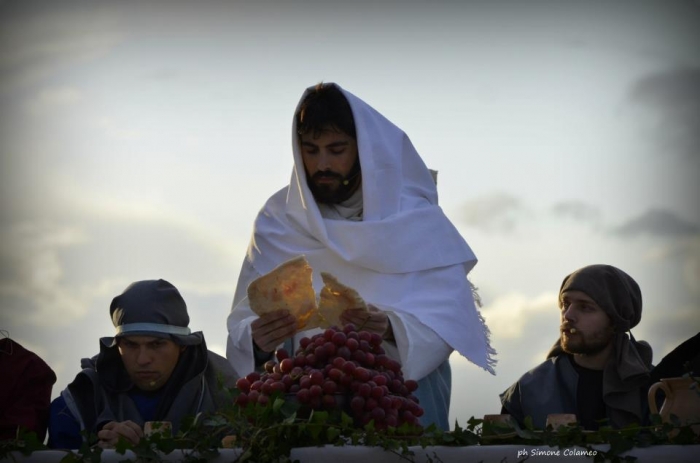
[(577, 210), (676, 94), (39, 39), (32, 284), (496, 212), (658, 222)]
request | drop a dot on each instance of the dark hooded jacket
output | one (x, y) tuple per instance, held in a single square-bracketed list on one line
[(100, 393), (103, 392)]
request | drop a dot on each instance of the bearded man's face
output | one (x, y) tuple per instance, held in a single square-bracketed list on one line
[(329, 158)]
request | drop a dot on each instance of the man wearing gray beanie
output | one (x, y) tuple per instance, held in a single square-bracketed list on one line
[(596, 369), (154, 369)]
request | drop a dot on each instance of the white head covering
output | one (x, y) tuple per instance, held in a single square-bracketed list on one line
[(405, 254)]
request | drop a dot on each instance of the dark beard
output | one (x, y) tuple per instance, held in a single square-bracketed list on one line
[(329, 193), (591, 345)]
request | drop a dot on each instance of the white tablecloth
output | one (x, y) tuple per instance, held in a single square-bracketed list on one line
[(486, 454)]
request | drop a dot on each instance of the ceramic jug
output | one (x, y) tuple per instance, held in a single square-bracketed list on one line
[(681, 400)]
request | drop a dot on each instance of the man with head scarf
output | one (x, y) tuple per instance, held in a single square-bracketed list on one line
[(154, 369), (595, 370), (362, 205)]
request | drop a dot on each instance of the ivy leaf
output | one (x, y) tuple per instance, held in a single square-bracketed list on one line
[(345, 420), (318, 417), (332, 434), (122, 446), (277, 404), (315, 430), (166, 445), (187, 424), (473, 423), (289, 409)]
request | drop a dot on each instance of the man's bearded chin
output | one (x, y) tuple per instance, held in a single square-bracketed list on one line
[(332, 193), (588, 345)]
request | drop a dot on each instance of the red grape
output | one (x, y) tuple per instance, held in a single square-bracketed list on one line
[(339, 338), (352, 344), (241, 400), (328, 401), (411, 385), (315, 390), (286, 365), (269, 365), (243, 384), (333, 374), (281, 354), (316, 377), (334, 367), (252, 377), (303, 396), (361, 374), (349, 328)]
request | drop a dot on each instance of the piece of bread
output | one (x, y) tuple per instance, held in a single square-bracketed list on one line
[(335, 297), (288, 286)]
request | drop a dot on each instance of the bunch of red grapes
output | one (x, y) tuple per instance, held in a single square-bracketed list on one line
[(339, 369)]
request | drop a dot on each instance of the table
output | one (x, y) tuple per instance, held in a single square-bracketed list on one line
[(475, 453)]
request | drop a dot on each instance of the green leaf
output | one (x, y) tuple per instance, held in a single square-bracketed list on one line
[(314, 430), (122, 446), (346, 420), (289, 409), (277, 404), (332, 434), (318, 417)]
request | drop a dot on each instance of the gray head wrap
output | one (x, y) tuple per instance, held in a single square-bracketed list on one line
[(152, 308), (612, 289)]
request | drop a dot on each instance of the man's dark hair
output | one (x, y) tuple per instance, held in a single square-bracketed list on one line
[(325, 107)]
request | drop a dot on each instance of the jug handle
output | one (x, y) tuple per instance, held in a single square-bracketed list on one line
[(651, 396)]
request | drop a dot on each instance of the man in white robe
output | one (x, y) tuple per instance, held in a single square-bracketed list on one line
[(362, 205)]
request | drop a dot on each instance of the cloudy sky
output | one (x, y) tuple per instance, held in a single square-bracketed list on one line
[(139, 140)]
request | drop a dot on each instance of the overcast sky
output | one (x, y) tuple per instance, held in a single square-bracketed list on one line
[(139, 140)]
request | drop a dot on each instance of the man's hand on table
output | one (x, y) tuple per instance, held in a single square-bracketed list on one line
[(111, 432)]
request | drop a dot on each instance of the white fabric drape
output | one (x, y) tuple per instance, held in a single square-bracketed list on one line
[(405, 256)]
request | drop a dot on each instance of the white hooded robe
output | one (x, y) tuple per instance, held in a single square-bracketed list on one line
[(405, 257)]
